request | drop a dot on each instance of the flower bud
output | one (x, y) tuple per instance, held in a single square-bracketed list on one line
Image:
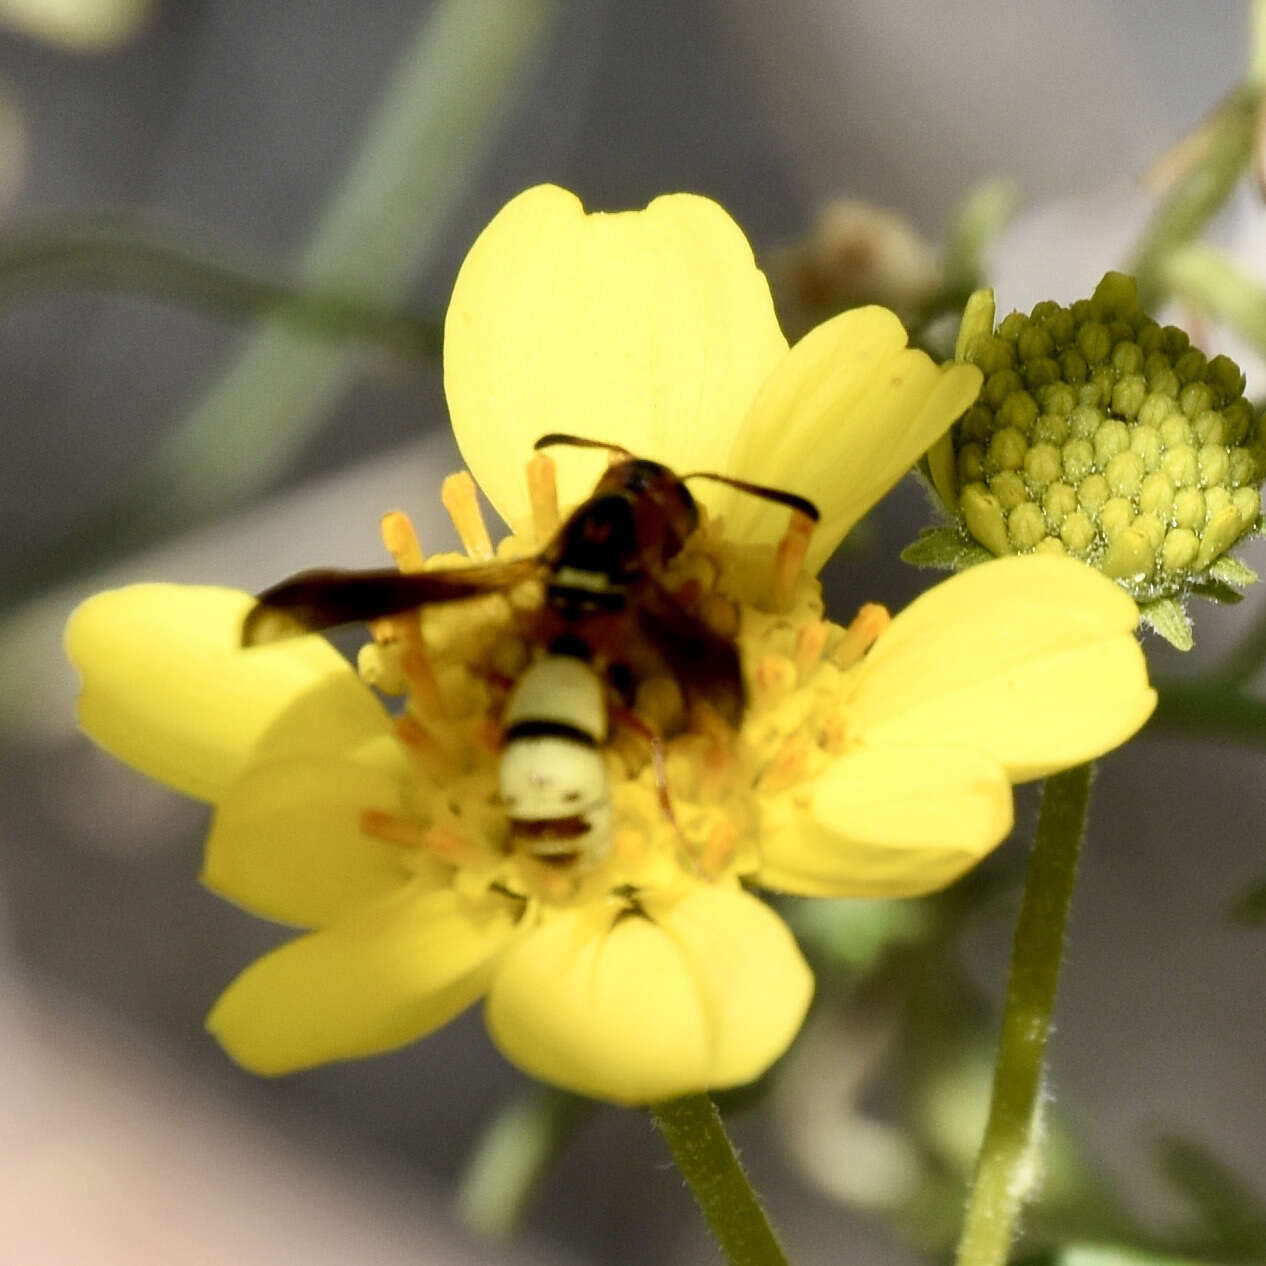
[(1100, 433)]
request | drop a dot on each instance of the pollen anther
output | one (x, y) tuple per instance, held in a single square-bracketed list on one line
[(869, 622), (543, 494), (401, 541), (789, 558), (462, 503)]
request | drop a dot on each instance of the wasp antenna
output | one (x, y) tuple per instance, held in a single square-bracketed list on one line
[(579, 441), (778, 495)]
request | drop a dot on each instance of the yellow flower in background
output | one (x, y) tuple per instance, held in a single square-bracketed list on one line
[(872, 760)]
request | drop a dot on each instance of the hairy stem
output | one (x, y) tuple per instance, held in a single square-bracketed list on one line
[(1007, 1166), (707, 1160)]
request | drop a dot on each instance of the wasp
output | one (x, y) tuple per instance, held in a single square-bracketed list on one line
[(607, 621)]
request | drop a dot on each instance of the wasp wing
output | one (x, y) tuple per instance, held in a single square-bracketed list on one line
[(323, 599), (705, 664)]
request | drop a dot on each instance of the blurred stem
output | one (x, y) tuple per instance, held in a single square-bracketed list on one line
[(984, 213), (697, 1139), (438, 116), (1257, 41), (1007, 1166), (987, 210), (108, 254), (1211, 709), (1210, 280), (1245, 659), (1205, 183), (512, 1157)]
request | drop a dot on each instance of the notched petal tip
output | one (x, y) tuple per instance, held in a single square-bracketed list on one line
[(694, 993), (842, 418), (650, 329)]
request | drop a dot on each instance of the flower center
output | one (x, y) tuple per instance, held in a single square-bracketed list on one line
[(557, 776)]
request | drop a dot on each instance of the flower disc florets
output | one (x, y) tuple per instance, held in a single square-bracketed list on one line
[(686, 789), (1104, 435)]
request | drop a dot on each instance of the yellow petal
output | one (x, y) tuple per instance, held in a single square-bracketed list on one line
[(651, 329), (895, 822), (167, 688), (386, 976), (699, 992), (849, 410), (286, 841), (1031, 659)]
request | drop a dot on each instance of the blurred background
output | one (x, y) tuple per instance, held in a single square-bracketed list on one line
[(167, 170)]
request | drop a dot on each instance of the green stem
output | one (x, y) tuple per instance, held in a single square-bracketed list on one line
[(512, 1157), (1215, 710), (108, 254), (1212, 281), (441, 109), (1199, 193), (1007, 1165), (707, 1160)]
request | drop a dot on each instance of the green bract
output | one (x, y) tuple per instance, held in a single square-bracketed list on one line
[(1101, 434)]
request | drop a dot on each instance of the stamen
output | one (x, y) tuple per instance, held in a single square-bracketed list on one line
[(869, 622), (790, 558), (810, 643), (401, 540), (394, 828), (460, 500), (787, 768), (542, 485), (437, 841), (425, 748), (715, 772), (719, 848), (773, 679), (833, 737), (487, 736), (415, 664)]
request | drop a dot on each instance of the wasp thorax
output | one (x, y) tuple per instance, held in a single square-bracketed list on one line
[(1101, 434)]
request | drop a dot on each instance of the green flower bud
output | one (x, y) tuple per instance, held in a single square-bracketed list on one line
[(1026, 526), (1008, 487), (1042, 465), (984, 518), (1179, 550), (1050, 428), (1156, 494), (1101, 434), (1078, 532), (1058, 502), (1188, 508)]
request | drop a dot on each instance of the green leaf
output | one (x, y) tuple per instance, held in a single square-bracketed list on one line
[(1216, 591), (1231, 1215), (1233, 572), (1249, 908), (1166, 618), (945, 548)]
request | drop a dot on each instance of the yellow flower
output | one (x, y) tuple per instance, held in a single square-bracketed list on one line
[(873, 760)]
